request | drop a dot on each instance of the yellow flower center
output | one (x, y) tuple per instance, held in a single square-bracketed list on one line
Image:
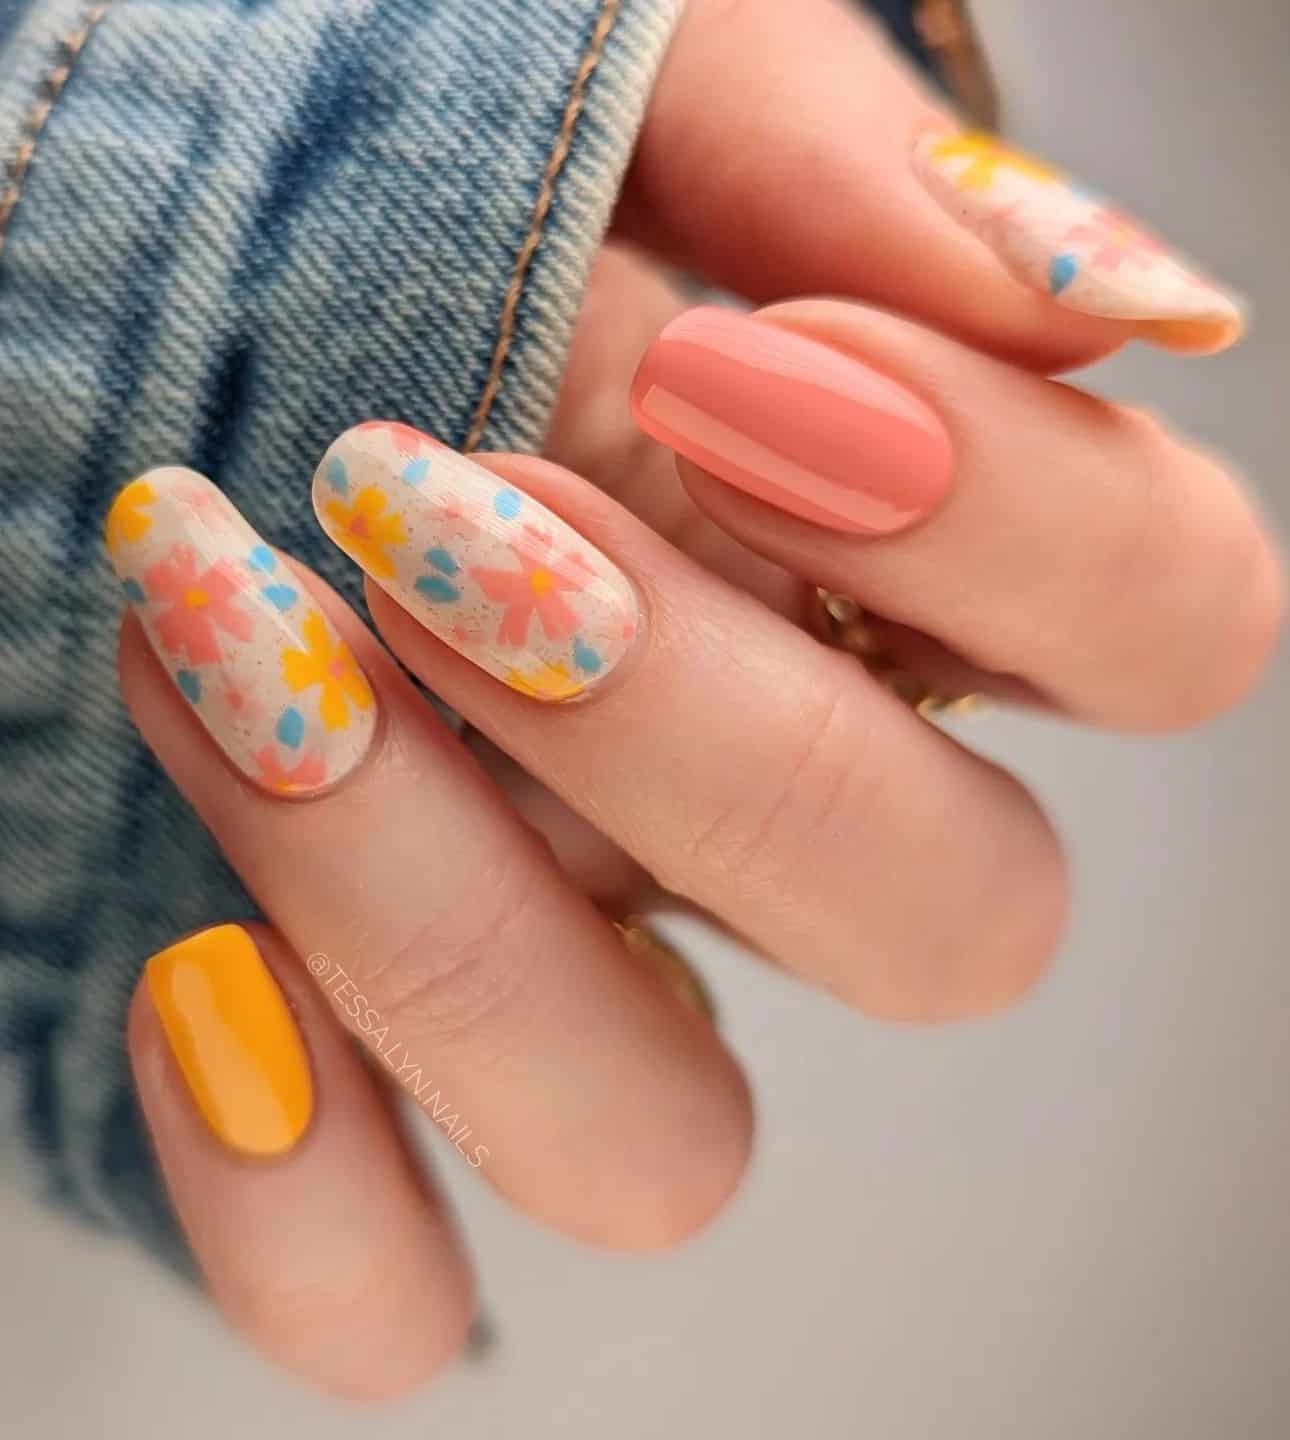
[(358, 526), (540, 581), (335, 667), (195, 598)]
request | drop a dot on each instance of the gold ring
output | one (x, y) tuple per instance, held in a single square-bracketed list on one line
[(642, 940), (846, 625)]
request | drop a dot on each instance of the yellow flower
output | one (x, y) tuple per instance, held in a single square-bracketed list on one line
[(364, 530), (547, 682), (125, 520), (326, 661), (987, 156)]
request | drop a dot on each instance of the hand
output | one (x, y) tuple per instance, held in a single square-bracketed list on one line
[(1106, 569)]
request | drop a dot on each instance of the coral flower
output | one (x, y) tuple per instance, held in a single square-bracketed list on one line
[(307, 774), (126, 521), (537, 588), (326, 662), (1112, 238), (404, 438), (364, 530), (201, 604)]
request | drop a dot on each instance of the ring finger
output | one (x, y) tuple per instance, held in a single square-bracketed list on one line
[(1078, 547)]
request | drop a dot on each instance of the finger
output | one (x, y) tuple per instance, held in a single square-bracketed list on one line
[(438, 924), (748, 768), (593, 864), (316, 1235), (1080, 548), (847, 179)]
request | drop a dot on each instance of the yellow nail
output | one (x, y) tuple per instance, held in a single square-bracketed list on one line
[(234, 1039)]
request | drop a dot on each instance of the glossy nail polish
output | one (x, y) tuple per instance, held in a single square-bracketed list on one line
[(234, 1040), (486, 568), (1054, 236), (792, 421), (246, 644)]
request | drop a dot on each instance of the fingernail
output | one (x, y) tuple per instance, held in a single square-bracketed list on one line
[(792, 421), (1057, 237), (484, 567), (245, 643), (234, 1039)]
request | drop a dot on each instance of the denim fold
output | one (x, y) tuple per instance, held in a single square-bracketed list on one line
[(229, 230)]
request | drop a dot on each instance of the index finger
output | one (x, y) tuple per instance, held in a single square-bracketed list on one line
[(848, 180)]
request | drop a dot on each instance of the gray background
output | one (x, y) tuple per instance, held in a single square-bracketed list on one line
[(1068, 1222)]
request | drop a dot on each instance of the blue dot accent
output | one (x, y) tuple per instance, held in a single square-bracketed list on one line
[(261, 558), (507, 503), (415, 471), (441, 560), (190, 683), (282, 597), (1085, 192), (435, 587), (1062, 269), (585, 658), (337, 475), (291, 727), (134, 592)]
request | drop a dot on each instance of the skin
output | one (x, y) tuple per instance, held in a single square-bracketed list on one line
[(1084, 559)]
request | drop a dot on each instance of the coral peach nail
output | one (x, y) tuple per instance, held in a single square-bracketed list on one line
[(1055, 236), (489, 570), (792, 421), (244, 642)]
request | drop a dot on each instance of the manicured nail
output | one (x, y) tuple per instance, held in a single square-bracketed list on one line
[(792, 421), (247, 646), (487, 569), (1057, 237), (234, 1040)]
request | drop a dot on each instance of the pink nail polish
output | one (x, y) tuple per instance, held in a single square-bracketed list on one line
[(792, 421)]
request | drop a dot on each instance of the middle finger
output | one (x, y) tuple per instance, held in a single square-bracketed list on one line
[(750, 769)]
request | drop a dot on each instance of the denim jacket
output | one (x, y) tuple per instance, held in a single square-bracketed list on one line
[(228, 230)]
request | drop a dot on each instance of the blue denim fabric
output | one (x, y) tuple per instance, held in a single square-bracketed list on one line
[(245, 225)]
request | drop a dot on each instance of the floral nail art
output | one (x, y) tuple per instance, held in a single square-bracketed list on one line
[(247, 647), (1058, 237), (487, 569)]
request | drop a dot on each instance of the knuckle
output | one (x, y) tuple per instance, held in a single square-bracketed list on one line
[(1017, 900), (1190, 593), (1030, 905), (458, 965), (312, 1325), (1249, 604), (810, 765)]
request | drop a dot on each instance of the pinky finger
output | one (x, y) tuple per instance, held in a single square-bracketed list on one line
[(312, 1227)]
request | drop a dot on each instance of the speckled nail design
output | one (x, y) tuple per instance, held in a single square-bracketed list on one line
[(244, 642), (1055, 236), (484, 567)]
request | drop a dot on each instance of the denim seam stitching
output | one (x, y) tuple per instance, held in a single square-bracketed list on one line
[(48, 91), (609, 10)]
